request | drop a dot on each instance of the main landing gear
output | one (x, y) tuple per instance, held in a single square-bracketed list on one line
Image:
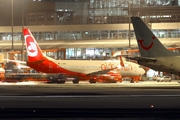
[(76, 81), (92, 79), (61, 81)]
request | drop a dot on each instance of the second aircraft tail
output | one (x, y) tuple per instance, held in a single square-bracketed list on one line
[(149, 45)]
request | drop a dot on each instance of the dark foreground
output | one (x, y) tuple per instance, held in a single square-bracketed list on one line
[(93, 113), (91, 101)]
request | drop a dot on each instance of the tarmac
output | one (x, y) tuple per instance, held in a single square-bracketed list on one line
[(83, 98)]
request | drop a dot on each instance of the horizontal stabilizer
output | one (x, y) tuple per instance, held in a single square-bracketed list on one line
[(37, 62), (18, 61), (145, 59)]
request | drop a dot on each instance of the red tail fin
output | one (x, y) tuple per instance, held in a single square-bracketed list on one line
[(33, 50)]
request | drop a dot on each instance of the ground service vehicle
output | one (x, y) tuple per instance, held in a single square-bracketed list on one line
[(34, 77), (164, 79)]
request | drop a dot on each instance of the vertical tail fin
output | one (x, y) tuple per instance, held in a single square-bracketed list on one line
[(33, 50), (149, 45)]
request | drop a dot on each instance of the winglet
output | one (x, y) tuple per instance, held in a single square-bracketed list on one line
[(33, 50)]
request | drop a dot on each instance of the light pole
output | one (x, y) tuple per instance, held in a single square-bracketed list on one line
[(12, 24), (129, 33), (22, 55)]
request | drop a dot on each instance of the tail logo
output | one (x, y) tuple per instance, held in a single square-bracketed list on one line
[(146, 47), (31, 46)]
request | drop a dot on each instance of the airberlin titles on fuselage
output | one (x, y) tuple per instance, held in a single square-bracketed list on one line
[(107, 66)]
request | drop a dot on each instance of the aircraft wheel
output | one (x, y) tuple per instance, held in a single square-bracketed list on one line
[(112, 81), (62, 82), (132, 80), (75, 81), (92, 81)]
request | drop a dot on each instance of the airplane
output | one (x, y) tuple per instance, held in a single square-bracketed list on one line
[(78, 69), (153, 54)]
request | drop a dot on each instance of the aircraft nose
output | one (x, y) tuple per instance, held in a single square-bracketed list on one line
[(142, 71)]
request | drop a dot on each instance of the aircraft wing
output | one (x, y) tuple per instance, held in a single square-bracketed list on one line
[(101, 72), (146, 59)]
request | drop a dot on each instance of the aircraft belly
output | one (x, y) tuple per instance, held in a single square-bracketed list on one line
[(160, 67), (128, 73), (82, 70)]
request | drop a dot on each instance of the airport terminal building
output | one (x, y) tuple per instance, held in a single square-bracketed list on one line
[(67, 25)]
